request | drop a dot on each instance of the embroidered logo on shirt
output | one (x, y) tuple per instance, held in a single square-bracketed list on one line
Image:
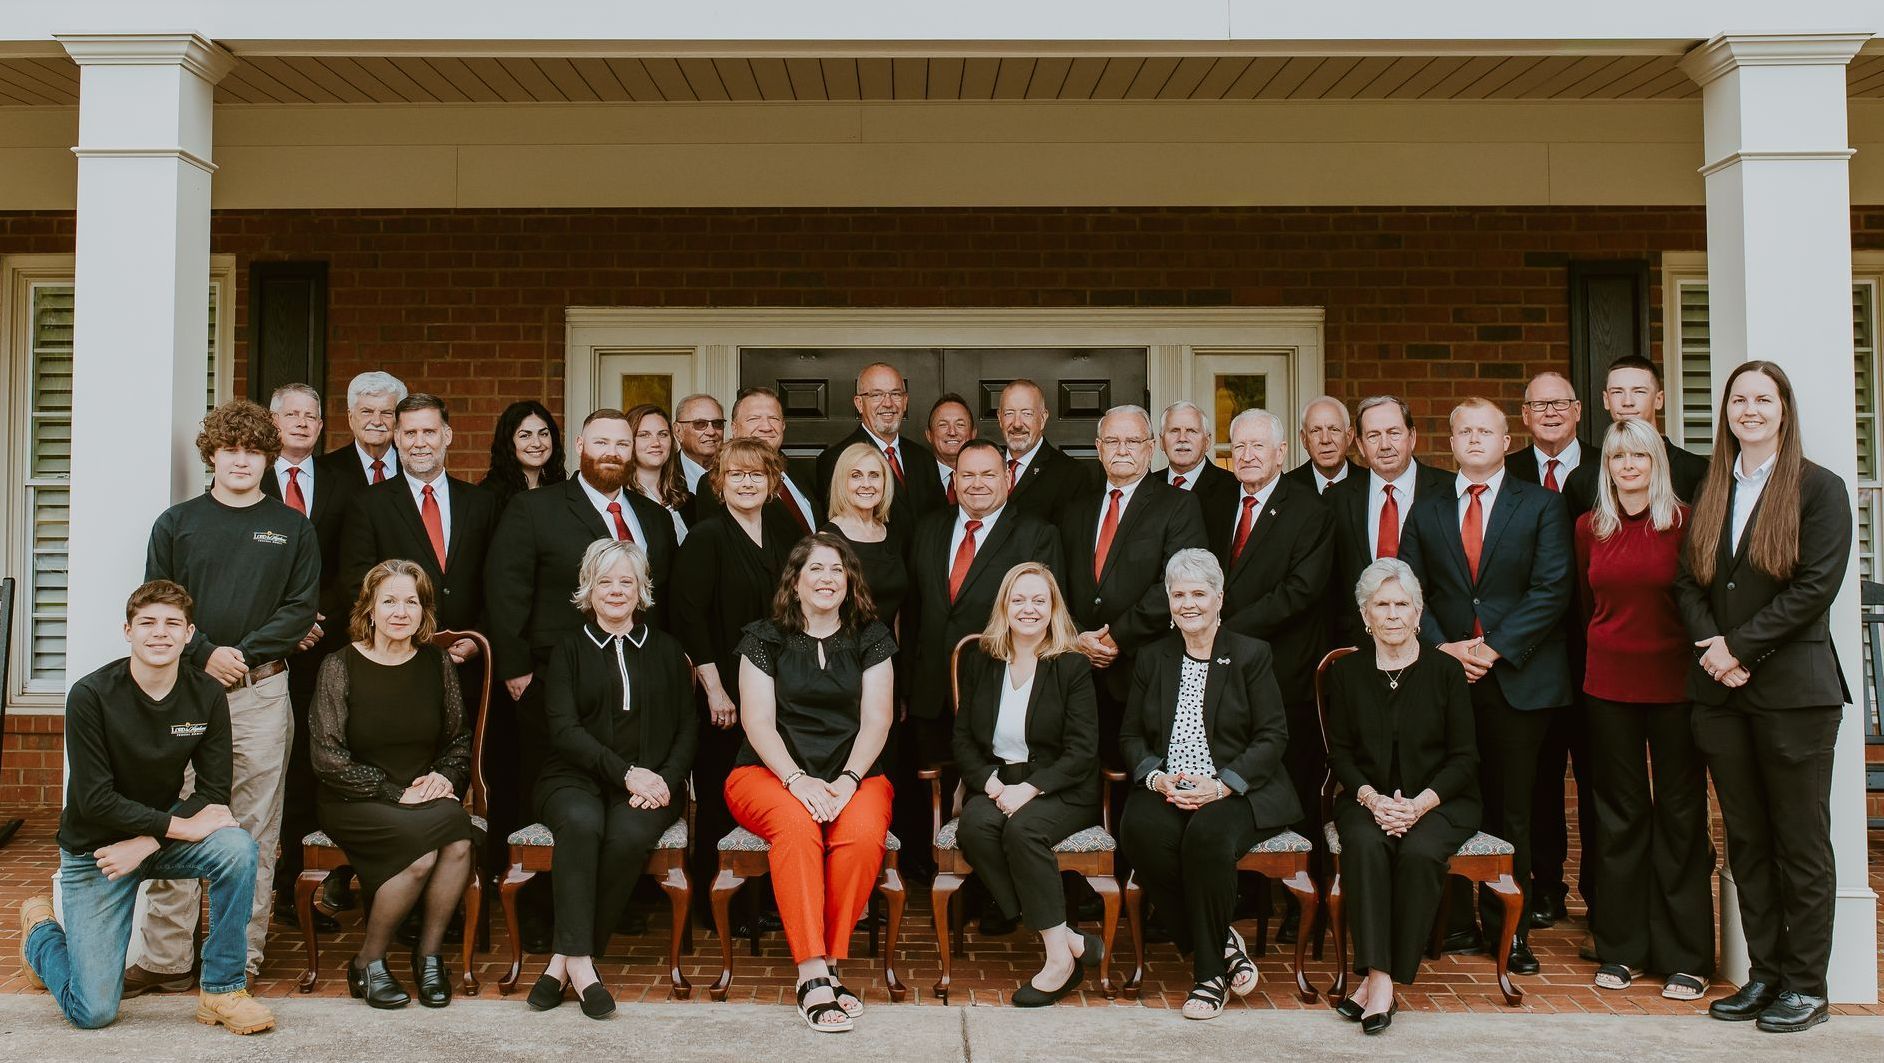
[(187, 730), (272, 538)]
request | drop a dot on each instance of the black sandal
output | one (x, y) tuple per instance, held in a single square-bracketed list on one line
[(1240, 973), (1212, 994), (814, 1014), (1616, 976), (843, 993)]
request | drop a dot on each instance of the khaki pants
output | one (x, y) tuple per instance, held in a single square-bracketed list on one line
[(261, 728)]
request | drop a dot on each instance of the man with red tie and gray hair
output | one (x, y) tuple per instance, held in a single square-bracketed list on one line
[(882, 403)]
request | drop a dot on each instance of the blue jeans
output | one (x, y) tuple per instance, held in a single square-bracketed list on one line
[(82, 962)]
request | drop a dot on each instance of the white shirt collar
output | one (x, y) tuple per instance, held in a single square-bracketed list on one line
[(1322, 483), (1027, 458), (366, 461), (962, 518), (1194, 474), (597, 498), (1758, 475), (693, 470), (883, 444), (637, 635), (1261, 496), (1492, 484), (1567, 461), (1403, 484), (306, 465)]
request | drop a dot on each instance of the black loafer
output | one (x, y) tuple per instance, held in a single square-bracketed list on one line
[(376, 985), (1793, 1012), (337, 889), (1463, 941), (546, 993), (1521, 961), (1029, 997), (597, 1003), (1348, 1010), (1373, 1024), (1745, 1004), (432, 981)]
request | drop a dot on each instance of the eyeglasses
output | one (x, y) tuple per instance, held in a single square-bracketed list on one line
[(733, 476), (878, 396), (701, 424), (1128, 443), (1550, 405)]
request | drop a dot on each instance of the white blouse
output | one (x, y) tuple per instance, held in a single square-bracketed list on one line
[(1010, 723), (1189, 750)]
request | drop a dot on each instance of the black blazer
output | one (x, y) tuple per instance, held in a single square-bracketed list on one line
[(1430, 726), (1347, 502), (1522, 592), (582, 703), (1777, 628), (1303, 475), (938, 623), (1211, 478), (918, 494), (1277, 590), (1578, 486), (1159, 521), (333, 494), (1062, 725), (1243, 718), (383, 523), (721, 582), (531, 570), (1050, 483)]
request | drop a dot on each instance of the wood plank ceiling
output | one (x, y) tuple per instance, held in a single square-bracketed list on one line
[(272, 79)]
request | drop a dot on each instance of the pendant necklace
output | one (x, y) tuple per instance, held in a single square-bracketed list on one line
[(1393, 678)]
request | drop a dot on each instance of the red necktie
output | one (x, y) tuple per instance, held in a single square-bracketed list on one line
[(1243, 524), (293, 495), (964, 557), (434, 525), (896, 467), (951, 492), (1013, 472), (1178, 480), (1550, 474), (1107, 529), (622, 534), (1387, 539), (1472, 537), (791, 506), (379, 471)]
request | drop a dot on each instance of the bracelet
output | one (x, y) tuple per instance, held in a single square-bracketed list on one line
[(1151, 780), (794, 777), (854, 777), (1219, 789)]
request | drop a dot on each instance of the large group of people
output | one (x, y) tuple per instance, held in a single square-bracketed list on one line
[(678, 621)]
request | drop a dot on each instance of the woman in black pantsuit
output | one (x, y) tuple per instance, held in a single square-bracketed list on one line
[(1027, 742), (1402, 747), (1203, 735), (619, 709), (1765, 558)]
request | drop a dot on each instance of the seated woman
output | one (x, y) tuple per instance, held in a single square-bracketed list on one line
[(622, 732), (1402, 746), (392, 750), (814, 697), (1027, 743), (1203, 736)]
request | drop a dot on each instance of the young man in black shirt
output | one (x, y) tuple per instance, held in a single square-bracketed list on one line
[(132, 727), (253, 565)]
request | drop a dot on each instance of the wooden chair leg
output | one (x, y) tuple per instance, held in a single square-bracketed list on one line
[(1337, 924), (1135, 919), (1107, 887), (304, 886), (724, 887), (893, 895), (507, 896), (680, 898), (940, 894), (1513, 898), (1304, 890), (473, 909)]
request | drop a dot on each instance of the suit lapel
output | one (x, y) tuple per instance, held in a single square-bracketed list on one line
[(584, 512), (1003, 529), (456, 491), (1503, 507), (1214, 681)]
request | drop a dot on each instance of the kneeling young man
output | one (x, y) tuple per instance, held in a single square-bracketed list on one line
[(132, 727)]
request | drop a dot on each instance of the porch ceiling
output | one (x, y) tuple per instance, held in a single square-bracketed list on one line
[(290, 79)]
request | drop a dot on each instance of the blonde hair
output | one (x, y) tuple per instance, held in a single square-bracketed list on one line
[(1632, 435), (360, 623), (852, 457), (598, 559), (997, 639), (1477, 403)]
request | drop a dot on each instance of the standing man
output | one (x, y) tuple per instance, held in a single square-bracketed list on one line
[(1370, 511), (1041, 478), (1551, 412), (951, 423), (758, 414), (1493, 557), (1327, 437), (699, 425), (254, 569), (370, 458), (1633, 388), (882, 401), (1184, 436)]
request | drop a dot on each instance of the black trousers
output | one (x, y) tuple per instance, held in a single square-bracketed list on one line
[(508, 804), (1657, 859), (916, 744), (1187, 863), (1393, 886), (1306, 760), (1567, 744), (298, 784), (1773, 775), (1508, 743), (1013, 856), (712, 762), (601, 852)]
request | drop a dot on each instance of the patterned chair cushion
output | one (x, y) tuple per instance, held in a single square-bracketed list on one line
[(538, 834), (742, 840), (1090, 840), (1480, 844), (320, 840), (1286, 842)]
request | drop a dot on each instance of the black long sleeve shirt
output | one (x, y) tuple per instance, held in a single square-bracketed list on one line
[(255, 572), (127, 753)]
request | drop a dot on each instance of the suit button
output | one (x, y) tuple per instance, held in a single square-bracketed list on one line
[(1475, 601), (447, 590), (1730, 584), (1096, 601)]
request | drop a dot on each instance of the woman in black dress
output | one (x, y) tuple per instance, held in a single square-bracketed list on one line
[(526, 451), (392, 750), (861, 491), (622, 733), (724, 578), (1402, 747)]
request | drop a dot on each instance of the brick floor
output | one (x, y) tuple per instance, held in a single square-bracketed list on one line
[(636, 968)]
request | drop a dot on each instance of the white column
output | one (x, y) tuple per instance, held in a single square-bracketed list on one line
[(1779, 288), (140, 348)]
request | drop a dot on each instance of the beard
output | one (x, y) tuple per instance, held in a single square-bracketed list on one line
[(606, 475)]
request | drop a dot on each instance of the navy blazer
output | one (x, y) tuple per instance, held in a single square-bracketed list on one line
[(1524, 585), (1347, 501)]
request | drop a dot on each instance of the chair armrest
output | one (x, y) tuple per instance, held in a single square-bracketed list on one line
[(1108, 777)]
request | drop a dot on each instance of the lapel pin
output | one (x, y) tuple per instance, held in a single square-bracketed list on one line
[(1223, 660)]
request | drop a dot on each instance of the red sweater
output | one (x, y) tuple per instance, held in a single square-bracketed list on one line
[(1639, 651)]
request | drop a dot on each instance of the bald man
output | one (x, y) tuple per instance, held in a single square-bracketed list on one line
[(882, 404)]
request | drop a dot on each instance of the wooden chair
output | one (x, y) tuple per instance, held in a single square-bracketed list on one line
[(320, 855), (1484, 859), (1088, 853)]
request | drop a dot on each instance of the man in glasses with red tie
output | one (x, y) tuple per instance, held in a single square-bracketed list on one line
[(882, 402)]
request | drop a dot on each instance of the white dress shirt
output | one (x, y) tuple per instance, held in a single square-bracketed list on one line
[(1262, 501), (303, 479), (803, 500), (947, 472), (1010, 723), (1322, 483), (441, 490), (600, 501), (1190, 478), (1485, 501), (981, 533), (883, 446), (1025, 459), (693, 470), (1748, 486), (1105, 503), (1567, 461), (366, 461), (1377, 500)]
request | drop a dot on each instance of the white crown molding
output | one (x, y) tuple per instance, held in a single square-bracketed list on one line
[(1730, 51), (180, 154), (1733, 158), (201, 57)]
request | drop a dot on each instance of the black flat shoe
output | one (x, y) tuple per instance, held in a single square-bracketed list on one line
[(432, 981), (1463, 941), (546, 993), (597, 1003), (1521, 960), (1094, 952), (1349, 1010), (376, 985), (1746, 1003), (1547, 910), (1029, 997), (1373, 1024), (1793, 1012)]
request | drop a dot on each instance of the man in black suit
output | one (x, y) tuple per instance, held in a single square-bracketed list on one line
[(1327, 436), (758, 414), (882, 402), (1370, 511), (1275, 540), (699, 425), (1633, 388), (1184, 436), (369, 458), (951, 424), (1494, 560), (1043, 479), (1116, 540)]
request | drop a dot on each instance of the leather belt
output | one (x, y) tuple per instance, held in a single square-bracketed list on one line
[(259, 673)]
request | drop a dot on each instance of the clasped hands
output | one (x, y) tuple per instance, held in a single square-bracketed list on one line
[(1475, 654), (1098, 646), (428, 787), (1397, 814), (121, 858), (1202, 790), (824, 800), (1009, 798), (646, 789), (1720, 665)]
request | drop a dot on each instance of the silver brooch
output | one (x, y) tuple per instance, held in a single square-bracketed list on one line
[(1223, 660)]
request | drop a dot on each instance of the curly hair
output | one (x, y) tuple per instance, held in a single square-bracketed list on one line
[(858, 610), (237, 423)]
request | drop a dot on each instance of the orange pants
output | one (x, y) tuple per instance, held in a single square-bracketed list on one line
[(822, 873)]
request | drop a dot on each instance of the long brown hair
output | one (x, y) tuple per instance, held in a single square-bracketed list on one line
[(673, 479), (360, 623), (1774, 548), (858, 610)]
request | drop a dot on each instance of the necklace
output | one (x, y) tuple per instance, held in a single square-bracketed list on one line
[(1393, 678)]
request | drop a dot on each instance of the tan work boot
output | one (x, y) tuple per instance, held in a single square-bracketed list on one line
[(138, 981), (237, 1010), (33, 911)]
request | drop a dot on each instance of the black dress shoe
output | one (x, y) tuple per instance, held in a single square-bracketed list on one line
[(1029, 997), (1349, 1010), (337, 889), (1793, 1012), (538, 935), (546, 993), (434, 984), (993, 924), (1746, 1003), (1373, 1024), (1464, 941), (1521, 961), (376, 985), (1547, 910), (1291, 927), (597, 1003)]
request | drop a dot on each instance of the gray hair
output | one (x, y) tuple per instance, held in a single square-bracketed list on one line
[(1255, 414), (1406, 412), (375, 383), (1203, 417), (1385, 571), (285, 390), (598, 559), (1136, 411), (698, 396), (1331, 401), (1195, 565)]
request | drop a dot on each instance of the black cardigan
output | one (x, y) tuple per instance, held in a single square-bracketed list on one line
[(1062, 724), (1430, 715), (582, 704)]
